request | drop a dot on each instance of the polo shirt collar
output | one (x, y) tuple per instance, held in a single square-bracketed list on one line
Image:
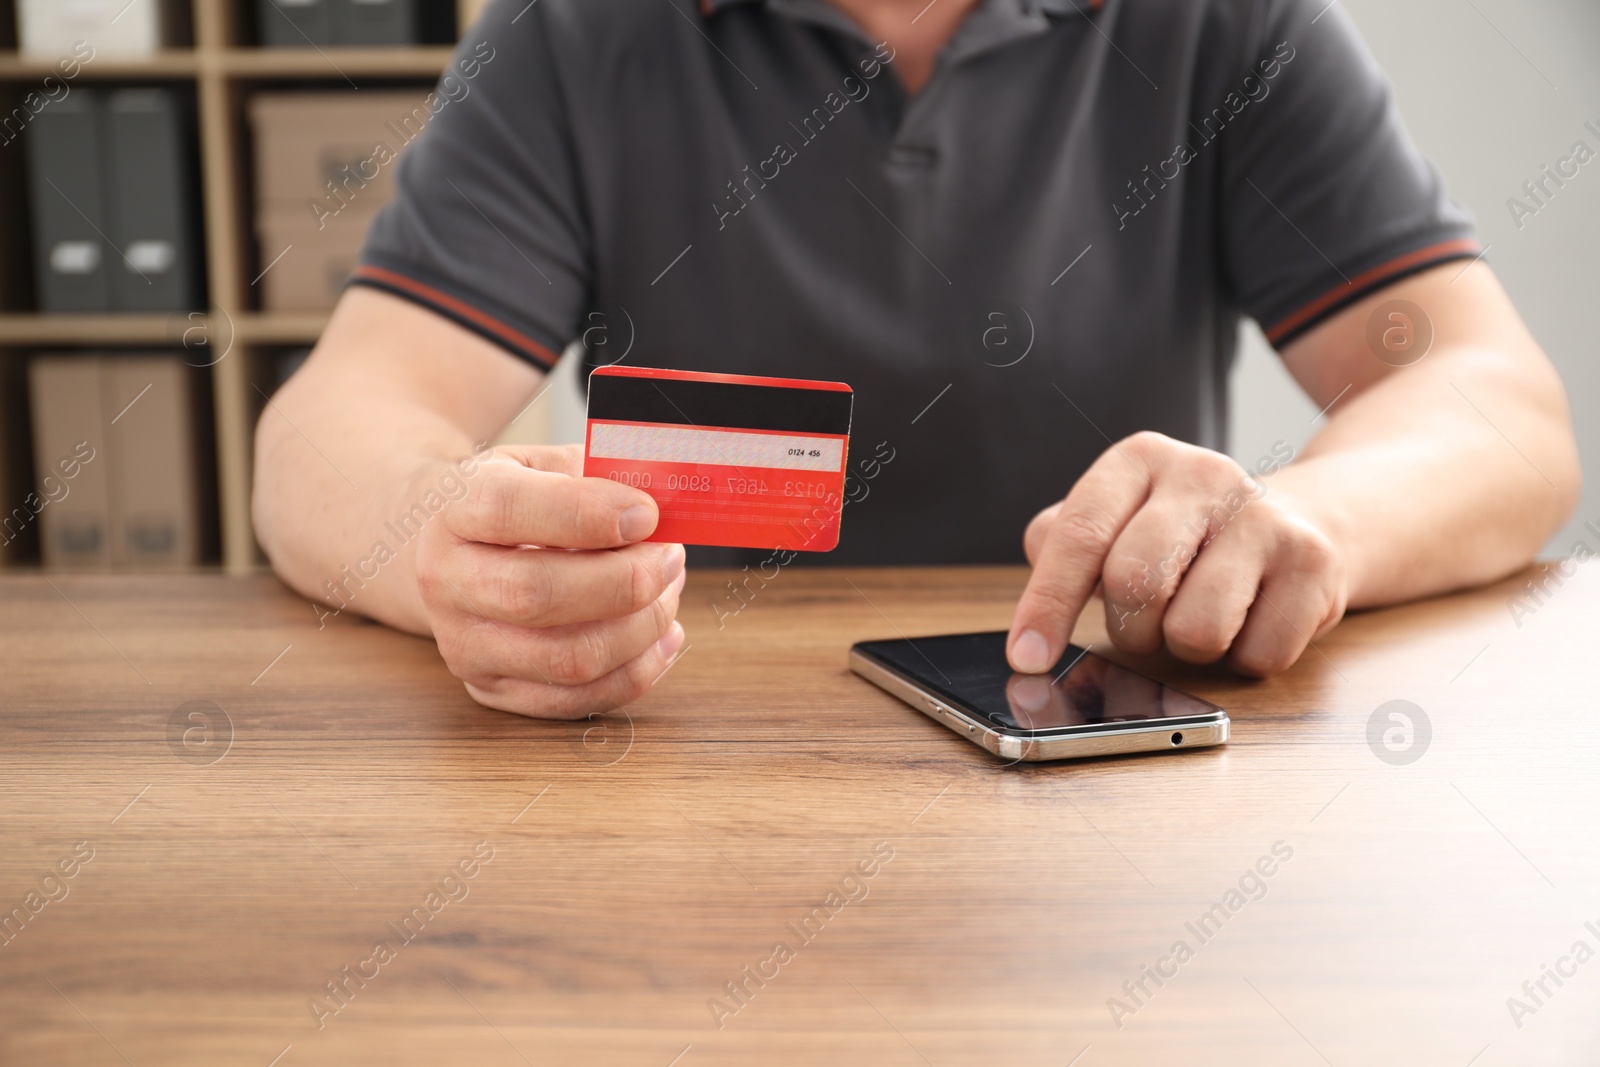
[(991, 25), (1014, 8)]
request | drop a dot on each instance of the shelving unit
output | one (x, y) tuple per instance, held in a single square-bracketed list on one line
[(222, 69), (421, 60)]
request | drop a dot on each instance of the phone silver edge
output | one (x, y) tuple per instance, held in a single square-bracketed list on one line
[(1030, 749)]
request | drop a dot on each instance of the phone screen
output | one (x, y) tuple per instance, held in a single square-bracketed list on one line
[(1082, 690)]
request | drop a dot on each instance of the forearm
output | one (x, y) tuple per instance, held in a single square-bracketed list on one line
[(364, 445), (1448, 473), (334, 499)]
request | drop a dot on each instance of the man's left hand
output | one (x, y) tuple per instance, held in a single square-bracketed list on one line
[(1190, 551)]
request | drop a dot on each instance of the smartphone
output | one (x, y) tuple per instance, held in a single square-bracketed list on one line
[(1085, 706)]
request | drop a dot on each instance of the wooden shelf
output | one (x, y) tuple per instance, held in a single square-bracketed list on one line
[(174, 64), (244, 63), (23, 329), (425, 61), (281, 328), (269, 328)]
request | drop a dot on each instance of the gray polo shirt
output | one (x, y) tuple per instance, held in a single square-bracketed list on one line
[(1047, 248)]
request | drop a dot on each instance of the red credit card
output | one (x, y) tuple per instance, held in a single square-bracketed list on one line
[(731, 460)]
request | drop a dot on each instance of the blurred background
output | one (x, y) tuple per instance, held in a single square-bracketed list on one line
[(160, 274)]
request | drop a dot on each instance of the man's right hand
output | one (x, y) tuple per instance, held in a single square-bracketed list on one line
[(540, 592)]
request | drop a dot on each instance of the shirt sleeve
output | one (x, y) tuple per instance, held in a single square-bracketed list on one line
[(1324, 197), (487, 226)]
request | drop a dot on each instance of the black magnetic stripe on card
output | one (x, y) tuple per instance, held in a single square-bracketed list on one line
[(691, 403)]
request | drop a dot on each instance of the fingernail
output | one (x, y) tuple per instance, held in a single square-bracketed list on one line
[(671, 642), (1031, 654), (636, 523), (672, 563)]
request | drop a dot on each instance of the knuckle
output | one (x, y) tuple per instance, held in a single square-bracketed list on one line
[(1217, 468), (556, 704), (1127, 579), (574, 708), (459, 652), (1195, 639), (634, 686), (635, 681), (486, 692), (528, 593), (577, 659), (495, 503), (589, 513), (430, 578), (566, 509), (1260, 662), (1085, 530), (567, 459), (563, 663), (518, 698), (642, 582), (1310, 549), (1033, 537), (1048, 604), (1149, 442), (452, 652), (1219, 485), (1045, 599), (1127, 635), (662, 611), (674, 593)]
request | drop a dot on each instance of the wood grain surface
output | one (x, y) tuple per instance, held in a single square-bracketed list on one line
[(265, 802)]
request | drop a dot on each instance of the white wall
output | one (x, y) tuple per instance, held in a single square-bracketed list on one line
[(555, 416), (1489, 118)]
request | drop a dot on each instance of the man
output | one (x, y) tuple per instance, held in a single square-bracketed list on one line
[(1023, 230)]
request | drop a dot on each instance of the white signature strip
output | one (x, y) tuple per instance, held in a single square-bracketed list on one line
[(730, 448)]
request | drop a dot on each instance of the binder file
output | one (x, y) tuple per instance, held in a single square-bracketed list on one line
[(73, 514), (19, 533), (64, 179), (153, 490), (154, 263), (294, 23), (374, 22)]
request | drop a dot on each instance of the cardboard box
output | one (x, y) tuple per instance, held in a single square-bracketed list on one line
[(313, 272), (116, 462), (467, 12), (153, 484), (335, 149), (70, 501), (324, 165)]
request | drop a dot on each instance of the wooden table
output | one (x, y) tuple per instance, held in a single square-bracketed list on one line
[(637, 865)]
